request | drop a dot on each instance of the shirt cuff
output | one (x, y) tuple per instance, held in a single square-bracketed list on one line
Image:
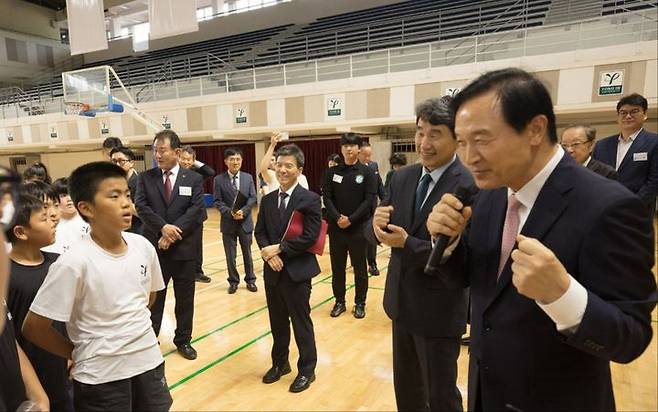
[(568, 310)]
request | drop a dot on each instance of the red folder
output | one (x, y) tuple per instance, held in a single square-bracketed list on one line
[(296, 228)]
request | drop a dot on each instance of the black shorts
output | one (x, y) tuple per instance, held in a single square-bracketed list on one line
[(144, 392)]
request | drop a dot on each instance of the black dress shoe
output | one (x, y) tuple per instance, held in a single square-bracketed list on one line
[(373, 270), (187, 351), (301, 383), (200, 277), (339, 308), (251, 287), (276, 372), (359, 311), (232, 289)]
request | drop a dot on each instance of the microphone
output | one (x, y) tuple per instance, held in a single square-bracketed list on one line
[(466, 198)]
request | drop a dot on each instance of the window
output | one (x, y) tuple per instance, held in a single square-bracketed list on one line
[(124, 32), (204, 13)]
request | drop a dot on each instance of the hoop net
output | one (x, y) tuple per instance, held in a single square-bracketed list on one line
[(75, 108)]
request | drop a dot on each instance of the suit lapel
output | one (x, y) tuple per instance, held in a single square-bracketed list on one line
[(636, 147), (548, 207), (406, 195), (159, 183), (182, 176), (445, 184), (611, 152)]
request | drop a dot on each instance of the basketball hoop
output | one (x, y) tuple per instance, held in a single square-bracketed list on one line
[(75, 108)]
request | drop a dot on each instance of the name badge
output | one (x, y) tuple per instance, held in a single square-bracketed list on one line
[(338, 179), (640, 157), (185, 191)]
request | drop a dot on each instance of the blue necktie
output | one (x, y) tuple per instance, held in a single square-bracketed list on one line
[(421, 190)]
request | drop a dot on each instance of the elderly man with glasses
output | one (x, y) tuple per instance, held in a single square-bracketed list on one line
[(578, 141), (634, 151)]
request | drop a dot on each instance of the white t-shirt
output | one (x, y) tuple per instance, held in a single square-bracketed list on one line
[(103, 299), (68, 232), (274, 182)]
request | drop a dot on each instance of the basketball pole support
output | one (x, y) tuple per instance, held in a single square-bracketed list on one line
[(131, 106)]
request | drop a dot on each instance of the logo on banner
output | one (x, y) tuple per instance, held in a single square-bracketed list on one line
[(452, 91), (165, 122), (104, 128), (334, 107), (53, 133), (611, 83), (10, 136), (241, 115)]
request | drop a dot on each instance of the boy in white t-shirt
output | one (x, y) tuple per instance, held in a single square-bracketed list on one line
[(102, 288), (71, 228)]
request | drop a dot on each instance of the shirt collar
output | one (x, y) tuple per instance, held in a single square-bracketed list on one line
[(174, 170), (586, 162), (289, 191), (630, 139), (438, 172), (233, 175), (528, 194)]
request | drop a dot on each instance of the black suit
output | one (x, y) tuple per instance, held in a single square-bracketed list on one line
[(186, 212), (371, 248), (288, 292), (600, 233), (236, 230), (136, 225), (205, 171), (602, 169), (428, 319)]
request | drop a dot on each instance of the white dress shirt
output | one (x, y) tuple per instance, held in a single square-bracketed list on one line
[(567, 311), (435, 175), (288, 192), (172, 177), (623, 146), (237, 180)]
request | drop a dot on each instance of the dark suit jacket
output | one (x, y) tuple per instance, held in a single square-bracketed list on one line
[(186, 212), (640, 176), (418, 301), (380, 184), (225, 195), (205, 171), (602, 169), (600, 233), (297, 262)]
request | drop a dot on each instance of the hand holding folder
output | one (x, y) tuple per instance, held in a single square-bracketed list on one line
[(239, 202), (295, 229)]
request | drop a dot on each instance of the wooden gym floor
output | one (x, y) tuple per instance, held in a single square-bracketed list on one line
[(354, 372)]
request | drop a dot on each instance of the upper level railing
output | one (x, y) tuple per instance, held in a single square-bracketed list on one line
[(628, 28)]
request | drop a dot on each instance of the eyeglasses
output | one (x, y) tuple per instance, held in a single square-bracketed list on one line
[(9, 182), (624, 113), (120, 162), (568, 146)]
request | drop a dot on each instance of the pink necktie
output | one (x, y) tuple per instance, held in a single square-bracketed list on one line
[(167, 186), (510, 231)]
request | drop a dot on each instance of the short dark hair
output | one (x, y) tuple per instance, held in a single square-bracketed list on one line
[(335, 158), (189, 149), (26, 205), (84, 181), (40, 190), (292, 150), (125, 150), (162, 135), (111, 143), (398, 159), (350, 139), (365, 143), (590, 132), (61, 186), (232, 151), (521, 95), (37, 170), (436, 111), (633, 99)]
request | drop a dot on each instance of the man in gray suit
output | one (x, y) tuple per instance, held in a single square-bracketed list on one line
[(236, 226), (428, 319), (578, 141)]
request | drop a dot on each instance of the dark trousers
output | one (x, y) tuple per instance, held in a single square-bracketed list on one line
[(145, 392), (371, 254), (182, 272), (425, 372), (340, 244), (230, 249), (289, 301), (199, 252)]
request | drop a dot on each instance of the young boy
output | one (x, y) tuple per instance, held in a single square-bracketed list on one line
[(101, 288), (71, 228), (32, 230)]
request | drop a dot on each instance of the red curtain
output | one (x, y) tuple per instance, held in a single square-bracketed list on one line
[(213, 156), (316, 153)]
